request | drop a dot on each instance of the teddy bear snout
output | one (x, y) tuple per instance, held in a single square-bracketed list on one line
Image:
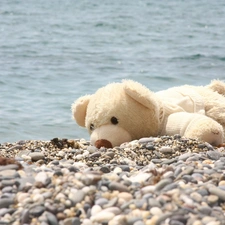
[(103, 143)]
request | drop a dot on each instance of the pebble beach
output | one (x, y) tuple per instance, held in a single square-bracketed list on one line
[(151, 181)]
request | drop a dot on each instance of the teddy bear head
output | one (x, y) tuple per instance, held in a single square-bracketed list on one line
[(118, 113)]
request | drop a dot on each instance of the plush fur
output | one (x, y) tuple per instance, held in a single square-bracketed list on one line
[(122, 112)]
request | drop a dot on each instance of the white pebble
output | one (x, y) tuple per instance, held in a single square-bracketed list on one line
[(102, 217), (156, 211), (41, 177), (96, 209), (79, 157)]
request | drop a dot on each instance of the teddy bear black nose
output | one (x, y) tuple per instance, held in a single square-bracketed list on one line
[(103, 143)]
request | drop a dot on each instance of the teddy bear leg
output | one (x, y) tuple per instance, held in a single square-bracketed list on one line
[(206, 129), (217, 86)]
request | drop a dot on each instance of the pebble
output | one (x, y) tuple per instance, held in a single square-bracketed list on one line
[(154, 180), (35, 156)]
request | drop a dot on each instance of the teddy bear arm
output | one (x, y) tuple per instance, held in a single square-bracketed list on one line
[(79, 109), (193, 125)]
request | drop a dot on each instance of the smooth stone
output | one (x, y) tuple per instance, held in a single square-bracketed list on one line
[(193, 158), (35, 156), (72, 221), (96, 209), (212, 199), (8, 167), (202, 192), (148, 189), (156, 161), (102, 217), (168, 174), (114, 210), (215, 155), (105, 169), (166, 150), (187, 171), (125, 195), (15, 147), (163, 183), (92, 149), (156, 211), (170, 187), (3, 211), (221, 183), (21, 197), (168, 161), (36, 210), (177, 171), (184, 156), (43, 178), (6, 202), (197, 176), (125, 168), (206, 210), (95, 154), (8, 189), (118, 186), (139, 222), (52, 220), (150, 146), (196, 196), (133, 220), (25, 217), (217, 191), (6, 183), (101, 201), (153, 202), (144, 140), (77, 196)]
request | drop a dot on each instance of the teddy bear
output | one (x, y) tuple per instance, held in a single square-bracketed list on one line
[(125, 111)]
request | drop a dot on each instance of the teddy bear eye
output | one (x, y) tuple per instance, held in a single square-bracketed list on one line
[(92, 126), (114, 120)]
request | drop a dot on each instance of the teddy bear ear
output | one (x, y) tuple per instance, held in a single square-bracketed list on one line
[(79, 109), (140, 93)]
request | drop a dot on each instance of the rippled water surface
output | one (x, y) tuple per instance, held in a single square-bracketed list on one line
[(52, 52)]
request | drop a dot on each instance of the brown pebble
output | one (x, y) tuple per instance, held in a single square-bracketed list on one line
[(60, 216)]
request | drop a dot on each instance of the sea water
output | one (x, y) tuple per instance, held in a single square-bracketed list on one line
[(52, 52)]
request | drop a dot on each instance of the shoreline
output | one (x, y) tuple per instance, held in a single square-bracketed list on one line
[(162, 180)]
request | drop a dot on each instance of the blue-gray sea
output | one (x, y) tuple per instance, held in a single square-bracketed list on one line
[(52, 52)]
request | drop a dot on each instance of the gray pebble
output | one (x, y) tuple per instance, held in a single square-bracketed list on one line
[(9, 167), (25, 217), (186, 171), (206, 210), (145, 140), (15, 147), (150, 146), (52, 220), (36, 210), (6, 183), (166, 150), (162, 184), (185, 156), (118, 186), (101, 201), (217, 191), (72, 221), (215, 155), (35, 156), (7, 189)]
